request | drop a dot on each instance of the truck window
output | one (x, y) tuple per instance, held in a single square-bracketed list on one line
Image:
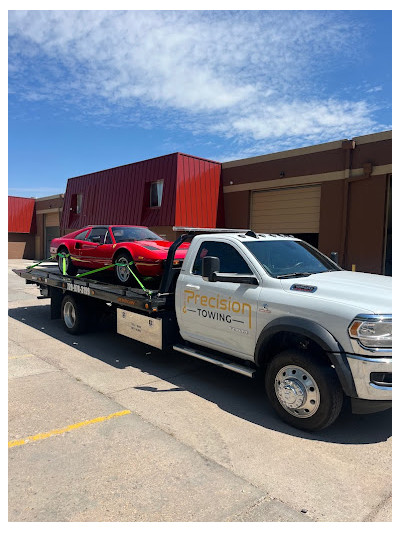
[(283, 257), (231, 261)]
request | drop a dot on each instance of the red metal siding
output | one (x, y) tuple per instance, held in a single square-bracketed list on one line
[(21, 215), (121, 195), (197, 192)]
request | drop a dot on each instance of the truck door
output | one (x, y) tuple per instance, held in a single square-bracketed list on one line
[(220, 314)]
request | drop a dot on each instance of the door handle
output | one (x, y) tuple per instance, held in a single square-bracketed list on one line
[(195, 287)]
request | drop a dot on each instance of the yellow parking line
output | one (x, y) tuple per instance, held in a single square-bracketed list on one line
[(21, 356), (41, 436)]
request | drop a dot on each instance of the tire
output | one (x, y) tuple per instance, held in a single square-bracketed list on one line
[(122, 274), (304, 391), (74, 315), (71, 269)]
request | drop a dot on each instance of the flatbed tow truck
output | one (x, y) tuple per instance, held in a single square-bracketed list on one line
[(252, 302)]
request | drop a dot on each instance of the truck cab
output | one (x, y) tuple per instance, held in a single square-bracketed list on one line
[(316, 331)]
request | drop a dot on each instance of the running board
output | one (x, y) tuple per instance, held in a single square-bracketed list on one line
[(225, 363)]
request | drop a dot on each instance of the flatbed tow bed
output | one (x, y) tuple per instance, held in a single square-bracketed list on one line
[(49, 277)]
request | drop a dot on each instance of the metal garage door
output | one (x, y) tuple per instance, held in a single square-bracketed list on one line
[(291, 210), (51, 233)]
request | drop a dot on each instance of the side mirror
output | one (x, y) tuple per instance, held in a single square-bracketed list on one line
[(335, 257), (210, 272), (209, 267)]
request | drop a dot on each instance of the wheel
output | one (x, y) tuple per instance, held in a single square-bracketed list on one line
[(122, 272), (70, 268), (74, 315), (304, 391)]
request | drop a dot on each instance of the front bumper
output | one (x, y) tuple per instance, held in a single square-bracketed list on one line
[(365, 370)]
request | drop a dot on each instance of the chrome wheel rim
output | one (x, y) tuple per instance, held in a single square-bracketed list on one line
[(123, 270), (69, 315), (297, 391)]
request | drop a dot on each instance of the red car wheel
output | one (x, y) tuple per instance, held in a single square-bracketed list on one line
[(70, 268), (122, 272)]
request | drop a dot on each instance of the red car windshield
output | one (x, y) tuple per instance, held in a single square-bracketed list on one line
[(130, 234)]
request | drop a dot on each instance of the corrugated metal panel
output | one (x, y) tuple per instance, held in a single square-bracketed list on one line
[(197, 193), (121, 195), (292, 210), (21, 215)]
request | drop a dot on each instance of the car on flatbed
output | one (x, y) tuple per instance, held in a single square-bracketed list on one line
[(256, 303), (95, 247)]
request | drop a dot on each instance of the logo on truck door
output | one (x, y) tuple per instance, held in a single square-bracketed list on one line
[(217, 308)]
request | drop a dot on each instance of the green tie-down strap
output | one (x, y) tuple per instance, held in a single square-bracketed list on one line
[(64, 267), (116, 264), (48, 259)]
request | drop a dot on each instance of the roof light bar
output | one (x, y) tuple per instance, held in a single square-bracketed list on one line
[(209, 230)]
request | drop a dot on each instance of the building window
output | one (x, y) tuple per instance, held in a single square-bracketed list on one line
[(76, 203), (156, 190)]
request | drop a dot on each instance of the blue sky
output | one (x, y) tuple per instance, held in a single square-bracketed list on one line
[(90, 90)]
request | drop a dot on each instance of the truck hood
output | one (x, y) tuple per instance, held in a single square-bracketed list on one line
[(371, 293)]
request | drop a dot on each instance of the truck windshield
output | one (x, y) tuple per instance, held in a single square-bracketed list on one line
[(129, 234), (285, 258)]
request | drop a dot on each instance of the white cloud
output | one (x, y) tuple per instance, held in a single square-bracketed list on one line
[(244, 75), (375, 89)]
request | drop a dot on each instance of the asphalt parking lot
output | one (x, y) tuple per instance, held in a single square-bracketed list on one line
[(102, 428)]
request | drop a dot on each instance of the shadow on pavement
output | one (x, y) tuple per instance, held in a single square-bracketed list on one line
[(233, 393)]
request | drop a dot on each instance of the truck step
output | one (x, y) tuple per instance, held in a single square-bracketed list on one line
[(216, 360)]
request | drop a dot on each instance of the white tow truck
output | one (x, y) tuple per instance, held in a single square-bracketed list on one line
[(255, 303)]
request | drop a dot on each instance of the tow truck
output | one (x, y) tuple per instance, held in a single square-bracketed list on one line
[(255, 304)]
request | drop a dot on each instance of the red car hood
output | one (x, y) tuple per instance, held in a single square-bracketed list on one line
[(163, 246)]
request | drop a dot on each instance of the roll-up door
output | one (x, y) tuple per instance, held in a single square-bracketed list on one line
[(290, 210), (52, 219)]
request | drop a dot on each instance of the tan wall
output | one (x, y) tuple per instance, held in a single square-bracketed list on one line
[(166, 232), (366, 225), (354, 189), (21, 246), (237, 210), (331, 216), (53, 219)]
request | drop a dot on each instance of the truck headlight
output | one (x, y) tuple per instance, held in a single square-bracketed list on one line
[(372, 331)]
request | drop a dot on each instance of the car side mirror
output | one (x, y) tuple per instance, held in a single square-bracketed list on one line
[(209, 267)]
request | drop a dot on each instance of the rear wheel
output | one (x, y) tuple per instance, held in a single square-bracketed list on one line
[(304, 391), (70, 268), (122, 273), (74, 315)]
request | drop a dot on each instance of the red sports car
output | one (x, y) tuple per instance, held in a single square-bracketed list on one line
[(98, 246)]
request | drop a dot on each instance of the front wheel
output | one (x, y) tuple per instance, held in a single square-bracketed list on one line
[(304, 391), (123, 270)]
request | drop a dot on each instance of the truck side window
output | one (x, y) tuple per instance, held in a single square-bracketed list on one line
[(231, 261)]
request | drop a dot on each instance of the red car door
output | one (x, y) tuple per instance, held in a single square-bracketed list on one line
[(75, 245), (97, 250)]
